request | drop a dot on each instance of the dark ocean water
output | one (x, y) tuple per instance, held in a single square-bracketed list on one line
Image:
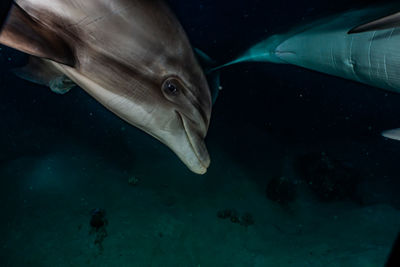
[(62, 156), (298, 107)]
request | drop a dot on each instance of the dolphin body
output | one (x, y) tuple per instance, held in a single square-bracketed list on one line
[(131, 55), (325, 46), (372, 56)]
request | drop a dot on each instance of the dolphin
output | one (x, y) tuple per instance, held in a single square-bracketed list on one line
[(369, 57), (323, 45), (133, 56)]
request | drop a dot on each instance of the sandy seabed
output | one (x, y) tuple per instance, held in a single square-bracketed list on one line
[(170, 217)]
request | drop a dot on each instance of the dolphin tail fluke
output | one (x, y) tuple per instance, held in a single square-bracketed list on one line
[(386, 22), (212, 74), (392, 134)]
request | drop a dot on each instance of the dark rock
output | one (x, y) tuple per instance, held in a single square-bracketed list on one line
[(225, 214), (246, 219), (235, 219), (98, 223), (98, 218), (329, 179)]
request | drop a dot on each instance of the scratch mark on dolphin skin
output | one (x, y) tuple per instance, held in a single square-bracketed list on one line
[(285, 52), (385, 68), (95, 20), (369, 55), (77, 23), (385, 63), (333, 59), (351, 61), (391, 33)]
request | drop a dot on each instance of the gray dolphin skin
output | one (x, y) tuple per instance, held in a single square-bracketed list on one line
[(370, 57), (325, 46), (133, 56)]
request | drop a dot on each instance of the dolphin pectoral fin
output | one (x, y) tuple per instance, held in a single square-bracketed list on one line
[(24, 33), (392, 134), (212, 74), (40, 71), (61, 85), (387, 22)]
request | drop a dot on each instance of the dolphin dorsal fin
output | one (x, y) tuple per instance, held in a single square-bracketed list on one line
[(213, 76), (24, 33), (386, 22)]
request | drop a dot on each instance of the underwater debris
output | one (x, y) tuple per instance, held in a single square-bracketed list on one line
[(98, 219), (98, 223), (281, 190), (133, 181), (329, 179), (245, 220), (225, 214)]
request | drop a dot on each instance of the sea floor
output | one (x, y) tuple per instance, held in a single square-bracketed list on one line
[(168, 217)]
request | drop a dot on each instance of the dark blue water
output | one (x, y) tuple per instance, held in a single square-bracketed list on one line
[(338, 205)]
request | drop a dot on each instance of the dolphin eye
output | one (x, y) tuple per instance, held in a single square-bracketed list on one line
[(171, 87)]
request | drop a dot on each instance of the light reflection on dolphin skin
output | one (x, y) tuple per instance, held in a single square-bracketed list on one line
[(133, 56)]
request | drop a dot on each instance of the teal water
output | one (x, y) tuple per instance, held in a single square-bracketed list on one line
[(299, 168)]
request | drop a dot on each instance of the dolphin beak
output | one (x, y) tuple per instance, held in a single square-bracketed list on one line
[(193, 152)]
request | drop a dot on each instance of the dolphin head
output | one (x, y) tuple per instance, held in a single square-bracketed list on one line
[(138, 62), (173, 105), (164, 90), (181, 117), (133, 56)]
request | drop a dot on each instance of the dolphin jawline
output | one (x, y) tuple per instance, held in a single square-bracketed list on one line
[(195, 150)]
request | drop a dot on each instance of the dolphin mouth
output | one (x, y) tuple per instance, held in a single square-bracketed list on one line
[(197, 144)]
